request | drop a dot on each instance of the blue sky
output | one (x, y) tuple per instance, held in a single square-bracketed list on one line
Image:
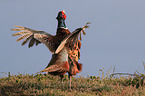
[(116, 35)]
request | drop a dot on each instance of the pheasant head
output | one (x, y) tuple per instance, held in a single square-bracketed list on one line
[(61, 19)]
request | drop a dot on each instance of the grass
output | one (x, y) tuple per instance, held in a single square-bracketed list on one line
[(47, 85)]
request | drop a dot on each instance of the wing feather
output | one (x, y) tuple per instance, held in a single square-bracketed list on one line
[(33, 35), (19, 33), (23, 36), (26, 40), (32, 42), (37, 42), (73, 36)]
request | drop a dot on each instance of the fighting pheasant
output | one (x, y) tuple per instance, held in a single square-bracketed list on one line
[(64, 46)]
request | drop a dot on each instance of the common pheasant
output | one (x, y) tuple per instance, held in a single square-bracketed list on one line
[(64, 46)]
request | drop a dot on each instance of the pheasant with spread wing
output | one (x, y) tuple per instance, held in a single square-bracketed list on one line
[(64, 46)]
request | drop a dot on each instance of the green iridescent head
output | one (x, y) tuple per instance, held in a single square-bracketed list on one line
[(61, 19)]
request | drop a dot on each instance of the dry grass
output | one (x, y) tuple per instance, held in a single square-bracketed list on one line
[(44, 84)]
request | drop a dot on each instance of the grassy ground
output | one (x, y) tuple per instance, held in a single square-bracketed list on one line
[(47, 85)]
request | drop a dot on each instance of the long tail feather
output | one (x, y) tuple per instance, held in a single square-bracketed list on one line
[(52, 68)]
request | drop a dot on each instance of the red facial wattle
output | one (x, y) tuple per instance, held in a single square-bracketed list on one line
[(63, 15)]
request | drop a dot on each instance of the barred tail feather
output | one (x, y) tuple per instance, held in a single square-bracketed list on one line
[(52, 68)]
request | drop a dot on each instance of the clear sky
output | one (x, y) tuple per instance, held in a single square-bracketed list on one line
[(116, 35)]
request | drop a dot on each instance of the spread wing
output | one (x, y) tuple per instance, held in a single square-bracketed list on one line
[(33, 36), (72, 38), (73, 44)]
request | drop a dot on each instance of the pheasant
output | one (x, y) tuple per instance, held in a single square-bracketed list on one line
[(64, 46)]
